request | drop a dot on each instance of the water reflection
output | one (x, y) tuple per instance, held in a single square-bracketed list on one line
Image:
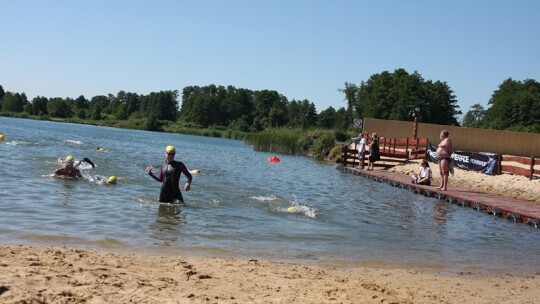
[(168, 222), (169, 216), (440, 213)]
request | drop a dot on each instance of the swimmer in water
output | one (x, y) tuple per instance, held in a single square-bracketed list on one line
[(169, 176), (68, 169)]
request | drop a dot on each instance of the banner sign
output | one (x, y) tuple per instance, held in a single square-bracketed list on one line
[(475, 161)]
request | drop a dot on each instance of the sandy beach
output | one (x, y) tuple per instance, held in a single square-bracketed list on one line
[(35, 274), (59, 275)]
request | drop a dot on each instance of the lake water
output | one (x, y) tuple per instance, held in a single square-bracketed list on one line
[(237, 205)]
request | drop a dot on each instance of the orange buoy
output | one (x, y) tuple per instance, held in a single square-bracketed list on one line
[(273, 159)]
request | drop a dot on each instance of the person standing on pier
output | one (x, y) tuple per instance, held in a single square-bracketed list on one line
[(374, 154), (443, 154), (361, 149)]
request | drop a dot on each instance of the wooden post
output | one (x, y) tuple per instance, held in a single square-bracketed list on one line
[(499, 164), (344, 155), (415, 125), (407, 149), (532, 168)]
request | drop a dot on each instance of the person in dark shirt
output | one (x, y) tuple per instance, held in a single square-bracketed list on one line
[(169, 176), (374, 154)]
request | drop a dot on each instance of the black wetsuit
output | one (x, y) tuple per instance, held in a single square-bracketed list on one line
[(169, 175)]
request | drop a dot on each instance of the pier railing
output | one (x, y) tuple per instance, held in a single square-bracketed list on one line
[(393, 151), (527, 170), (396, 151)]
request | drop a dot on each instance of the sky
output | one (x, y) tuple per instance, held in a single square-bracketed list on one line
[(303, 49)]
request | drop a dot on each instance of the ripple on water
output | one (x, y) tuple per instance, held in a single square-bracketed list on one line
[(238, 205)]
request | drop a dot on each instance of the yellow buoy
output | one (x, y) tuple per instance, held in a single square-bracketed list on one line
[(195, 171), (112, 180), (292, 209), (1, 137)]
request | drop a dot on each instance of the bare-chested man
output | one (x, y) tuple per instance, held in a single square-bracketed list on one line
[(443, 154)]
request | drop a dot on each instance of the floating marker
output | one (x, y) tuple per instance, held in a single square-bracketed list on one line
[(274, 159), (292, 209), (112, 180)]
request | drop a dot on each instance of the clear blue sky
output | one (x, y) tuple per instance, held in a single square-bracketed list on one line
[(301, 48)]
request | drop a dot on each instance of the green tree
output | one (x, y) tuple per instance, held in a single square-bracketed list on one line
[(474, 117), (58, 107), (341, 120), (238, 105), (204, 108), (514, 106), (294, 115), (2, 93), (97, 105), (81, 113), (350, 91), (163, 105), (151, 123), (189, 94), (240, 124), (301, 114), (277, 117), (373, 96), (263, 101), (28, 109), (12, 102), (39, 105), (442, 102), (393, 95), (81, 102), (133, 103), (327, 118)]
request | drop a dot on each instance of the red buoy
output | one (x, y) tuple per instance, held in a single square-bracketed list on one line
[(273, 159)]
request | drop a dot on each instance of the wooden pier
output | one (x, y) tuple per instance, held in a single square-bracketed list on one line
[(506, 207)]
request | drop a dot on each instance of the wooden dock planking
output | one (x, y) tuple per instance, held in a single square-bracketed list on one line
[(506, 207)]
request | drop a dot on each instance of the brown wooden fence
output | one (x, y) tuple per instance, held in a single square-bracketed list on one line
[(464, 139), (393, 151), (527, 170), (396, 151)]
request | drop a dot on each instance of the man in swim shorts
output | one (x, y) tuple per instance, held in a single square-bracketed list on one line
[(169, 176), (443, 154)]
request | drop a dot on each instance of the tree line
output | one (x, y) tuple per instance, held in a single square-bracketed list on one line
[(514, 106), (387, 95)]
